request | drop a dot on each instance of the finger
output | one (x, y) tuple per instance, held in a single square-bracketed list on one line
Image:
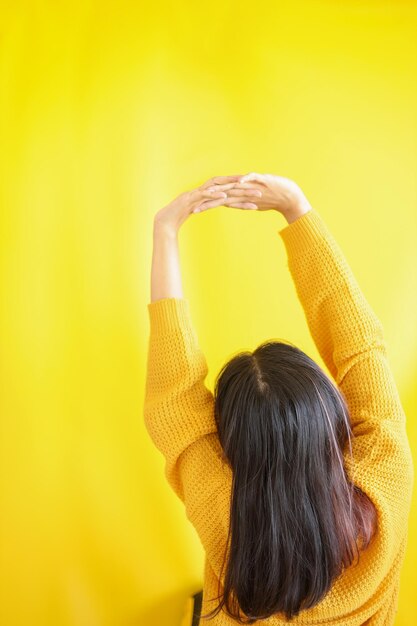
[(235, 185), (240, 199), (241, 205), (213, 194), (252, 176), (225, 179), (198, 195), (209, 204), (244, 192), (219, 180), (221, 187)]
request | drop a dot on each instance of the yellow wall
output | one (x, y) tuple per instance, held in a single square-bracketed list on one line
[(108, 110)]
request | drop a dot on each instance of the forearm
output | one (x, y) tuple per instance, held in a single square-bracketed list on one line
[(165, 272)]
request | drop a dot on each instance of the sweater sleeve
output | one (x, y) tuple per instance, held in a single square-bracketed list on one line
[(350, 339), (179, 417)]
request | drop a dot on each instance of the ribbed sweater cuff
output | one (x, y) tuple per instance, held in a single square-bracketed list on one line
[(169, 313), (304, 231)]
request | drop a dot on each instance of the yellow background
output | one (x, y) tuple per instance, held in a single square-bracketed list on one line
[(108, 110)]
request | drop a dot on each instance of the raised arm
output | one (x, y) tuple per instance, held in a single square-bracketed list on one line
[(178, 407), (350, 339), (348, 334), (345, 329)]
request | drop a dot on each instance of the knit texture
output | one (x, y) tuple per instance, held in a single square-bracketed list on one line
[(179, 417)]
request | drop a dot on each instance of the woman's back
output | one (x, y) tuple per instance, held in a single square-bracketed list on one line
[(179, 415)]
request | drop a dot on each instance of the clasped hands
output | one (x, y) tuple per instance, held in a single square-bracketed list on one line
[(251, 191)]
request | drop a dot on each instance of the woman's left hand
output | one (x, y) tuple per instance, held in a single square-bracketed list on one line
[(206, 196)]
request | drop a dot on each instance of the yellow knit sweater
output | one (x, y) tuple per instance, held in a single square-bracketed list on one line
[(178, 412)]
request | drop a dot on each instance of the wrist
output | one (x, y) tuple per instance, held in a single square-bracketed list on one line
[(300, 206), (164, 229)]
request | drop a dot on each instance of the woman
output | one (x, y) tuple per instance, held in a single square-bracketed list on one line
[(298, 485)]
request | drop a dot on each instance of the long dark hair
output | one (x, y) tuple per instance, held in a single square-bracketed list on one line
[(296, 518)]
